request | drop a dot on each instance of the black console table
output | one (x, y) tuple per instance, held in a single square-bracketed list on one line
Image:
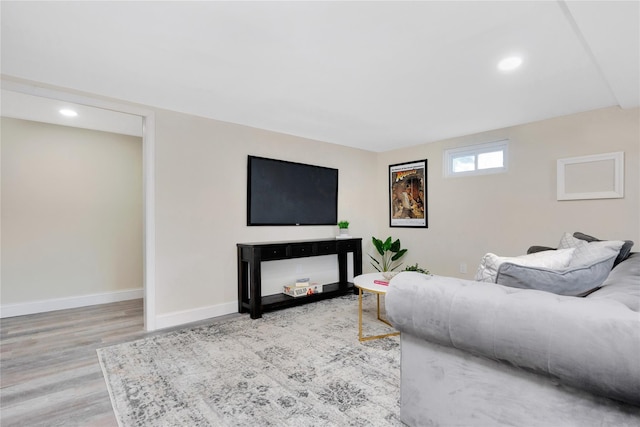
[(250, 255)]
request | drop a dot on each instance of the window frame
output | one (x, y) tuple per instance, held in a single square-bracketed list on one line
[(475, 150)]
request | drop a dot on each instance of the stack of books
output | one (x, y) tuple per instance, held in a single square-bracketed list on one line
[(302, 282), (303, 287)]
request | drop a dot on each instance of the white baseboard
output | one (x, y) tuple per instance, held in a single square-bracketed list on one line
[(177, 318), (163, 321), (41, 306)]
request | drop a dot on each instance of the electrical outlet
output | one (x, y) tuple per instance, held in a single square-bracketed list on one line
[(463, 267)]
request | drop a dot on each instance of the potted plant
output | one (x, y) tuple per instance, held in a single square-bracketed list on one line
[(416, 269), (391, 252), (344, 228)]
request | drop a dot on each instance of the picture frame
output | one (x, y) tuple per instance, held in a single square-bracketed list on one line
[(598, 176), (408, 195)]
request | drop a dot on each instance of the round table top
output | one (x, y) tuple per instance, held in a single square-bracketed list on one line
[(367, 282)]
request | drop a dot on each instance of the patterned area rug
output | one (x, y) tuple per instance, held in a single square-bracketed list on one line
[(302, 366)]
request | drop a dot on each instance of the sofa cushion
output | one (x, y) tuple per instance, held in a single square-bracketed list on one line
[(622, 284), (587, 253), (490, 263), (534, 249), (589, 267), (622, 255), (575, 281)]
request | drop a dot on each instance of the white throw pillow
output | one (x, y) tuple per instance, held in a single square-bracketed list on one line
[(587, 253), (555, 260)]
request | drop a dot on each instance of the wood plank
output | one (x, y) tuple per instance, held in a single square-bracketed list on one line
[(49, 369)]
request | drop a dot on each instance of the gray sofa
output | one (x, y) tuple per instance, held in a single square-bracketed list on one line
[(483, 354)]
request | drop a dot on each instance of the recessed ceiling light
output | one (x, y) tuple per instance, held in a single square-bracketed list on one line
[(510, 63), (68, 112)]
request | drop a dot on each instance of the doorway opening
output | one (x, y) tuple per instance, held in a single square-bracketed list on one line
[(147, 120)]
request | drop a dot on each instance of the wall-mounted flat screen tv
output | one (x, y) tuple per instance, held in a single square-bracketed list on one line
[(288, 193)]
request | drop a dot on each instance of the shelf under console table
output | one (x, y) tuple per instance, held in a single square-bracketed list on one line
[(251, 255)]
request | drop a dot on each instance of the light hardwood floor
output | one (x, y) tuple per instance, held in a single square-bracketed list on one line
[(49, 369)]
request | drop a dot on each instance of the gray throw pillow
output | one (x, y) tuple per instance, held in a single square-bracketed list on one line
[(588, 252), (536, 249), (575, 281), (622, 255), (488, 268)]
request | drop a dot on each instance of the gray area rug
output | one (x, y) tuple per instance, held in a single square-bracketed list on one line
[(302, 366)]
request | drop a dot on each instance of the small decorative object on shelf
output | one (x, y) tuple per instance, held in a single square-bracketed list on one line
[(344, 230), (301, 291), (390, 252), (302, 281)]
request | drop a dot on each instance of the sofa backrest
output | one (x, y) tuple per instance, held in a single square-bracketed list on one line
[(622, 284)]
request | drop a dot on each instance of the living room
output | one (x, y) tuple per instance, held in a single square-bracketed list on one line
[(197, 174), (195, 237)]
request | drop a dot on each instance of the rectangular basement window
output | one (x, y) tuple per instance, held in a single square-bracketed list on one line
[(480, 159)]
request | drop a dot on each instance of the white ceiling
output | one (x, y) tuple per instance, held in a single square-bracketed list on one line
[(372, 75)]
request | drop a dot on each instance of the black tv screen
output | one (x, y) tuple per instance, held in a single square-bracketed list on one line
[(288, 193)]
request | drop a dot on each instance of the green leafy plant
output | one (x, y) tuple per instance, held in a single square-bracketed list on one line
[(343, 224), (390, 252), (416, 269)]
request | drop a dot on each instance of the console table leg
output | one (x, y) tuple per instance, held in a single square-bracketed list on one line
[(255, 297)]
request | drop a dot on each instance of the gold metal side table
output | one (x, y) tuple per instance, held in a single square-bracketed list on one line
[(367, 282)]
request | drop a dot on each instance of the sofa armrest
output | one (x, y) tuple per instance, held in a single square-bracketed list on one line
[(593, 345)]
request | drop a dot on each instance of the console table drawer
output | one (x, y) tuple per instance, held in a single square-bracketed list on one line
[(326, 248), (302, 249), (348, 245), (274, 252)]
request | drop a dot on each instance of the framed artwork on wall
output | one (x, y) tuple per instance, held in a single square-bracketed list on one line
[(408, 194), (599, 176)]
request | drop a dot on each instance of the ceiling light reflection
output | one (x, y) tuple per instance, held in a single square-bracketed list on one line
[(510, 63), (68, 112)]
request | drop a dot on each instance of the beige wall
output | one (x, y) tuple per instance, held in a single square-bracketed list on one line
[(507, 213), (201, 184), (200, 203), (71, 212)]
